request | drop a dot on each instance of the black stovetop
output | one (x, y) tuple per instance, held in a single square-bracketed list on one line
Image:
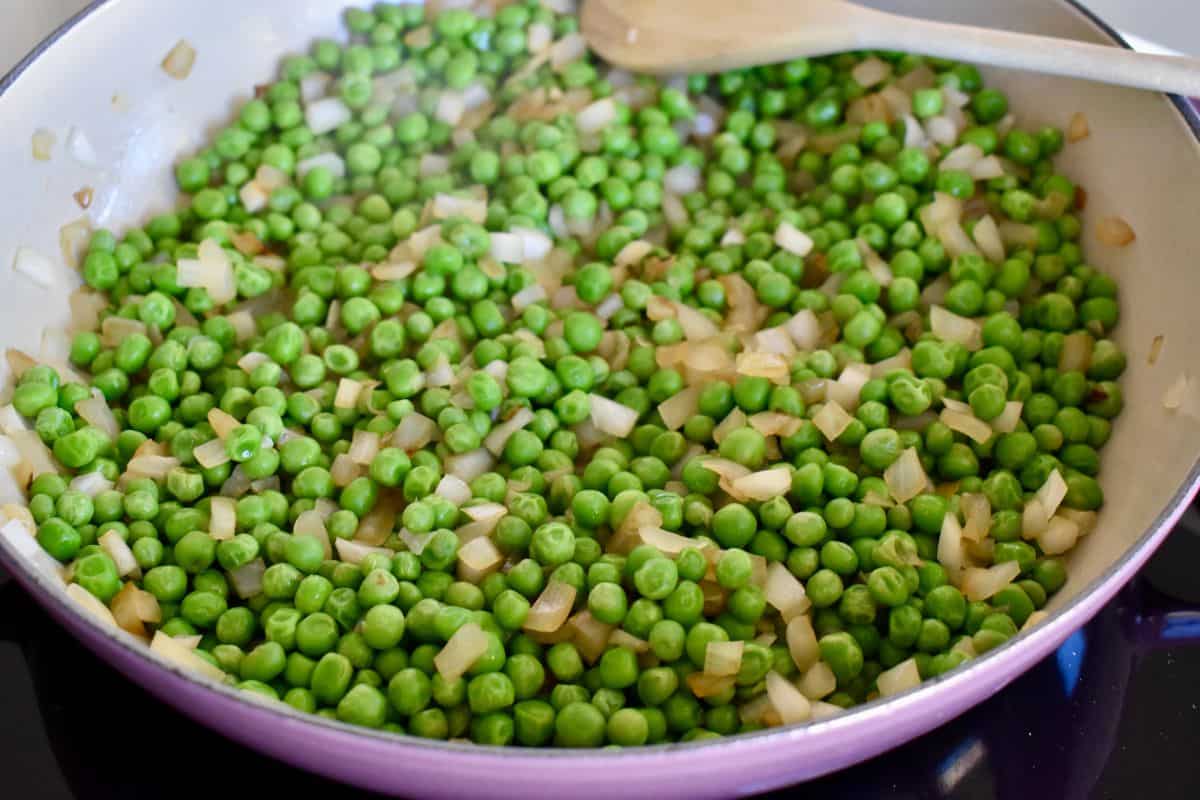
[(1114, 713)]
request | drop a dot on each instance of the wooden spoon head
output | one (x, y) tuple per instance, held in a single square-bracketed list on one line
[(675, 36)]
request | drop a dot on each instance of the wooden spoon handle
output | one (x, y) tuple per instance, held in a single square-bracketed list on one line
[(1174, 74)]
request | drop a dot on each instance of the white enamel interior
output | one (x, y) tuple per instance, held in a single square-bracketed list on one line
[(103, 76)]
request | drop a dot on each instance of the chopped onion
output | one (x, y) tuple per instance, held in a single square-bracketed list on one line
[(534, 293), (1052, 492), (818, 681), (703, 685), (950, 546), (222, 518), (680, 407), (247, 579), (621, 638), (538, 37), (364, 447), (723, 659), (987, 168), (499, 435), (73, 241), (43, 144), (980, 584), (775, 423), (696, 326), (344, 470), (132, 608), (179, 60), (35, 455), (786, 700), (1009, 418), (212, 271), (182, 656), (987, 236), (962, 158), (1060, 535), (941, 129), (668, 543), (978, 513), (792, 239), (899, 678), (470, 465), (597, 116), (784, 592), (445, 206), (36, 267), (914, 134), (311, 523), (414, 432), (1034, 519), (950, 327), (222, 422), (91, 604), (91, 484), (1076, 355), (1085, 520), (461, 652), (154, 467), (1115, 232), (211, 454), (733, 421), (95, 411), (906, 478), (805, 329), (453, 489), (611, 417), (683, 179), (1078, 128), (967, 424), (551, 609), (832, 420), (771, 366), (871, 71), (348, 391), (763, 485), (450, 107), (112, 543), (442, 374), (353, 552), (326, 114), (590, 635), (115, 330), (330, 161)]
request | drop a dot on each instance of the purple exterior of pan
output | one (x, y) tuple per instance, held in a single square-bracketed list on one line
[(721, 768)]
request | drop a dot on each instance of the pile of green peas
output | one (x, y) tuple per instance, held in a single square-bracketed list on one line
[(357, 641)]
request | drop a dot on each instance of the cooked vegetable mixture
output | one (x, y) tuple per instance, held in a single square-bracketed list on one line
[(480, 391)]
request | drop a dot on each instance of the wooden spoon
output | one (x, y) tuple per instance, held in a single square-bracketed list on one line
[(682, 36)]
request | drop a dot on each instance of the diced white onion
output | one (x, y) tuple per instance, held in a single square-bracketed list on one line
[(247, 579), (326, 114), (967, 424), (832, 420), (950, 546), (784, 592), (786, 699), (330, 161), (763, 485), (597, 116), (95, 411), (962, 158), (792, 239), (980, 584), (311, 523), (36, 267), (871, 71), (1060, 535), (499, 435), (818, 681), (899, 678), (112, 543), (683, 179), (179, 60), (222, 518), (414, 432), (805, 329), (950, 327), (987, 237), (611, 417), (551, 609), (1009, 418), (723, 659), (183, 656), (906, 478)]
